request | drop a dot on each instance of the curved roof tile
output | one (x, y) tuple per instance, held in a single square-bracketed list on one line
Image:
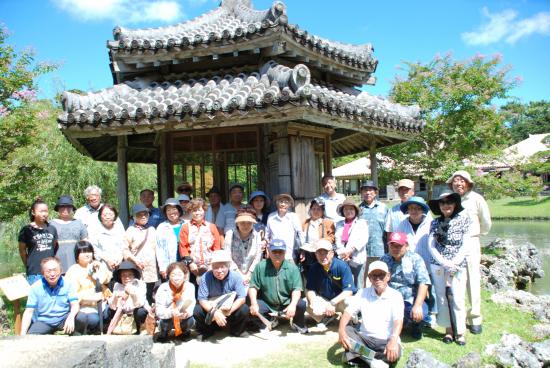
[(274, 85), (235, 19)]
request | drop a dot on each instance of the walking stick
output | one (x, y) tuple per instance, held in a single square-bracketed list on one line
[(450, 301)]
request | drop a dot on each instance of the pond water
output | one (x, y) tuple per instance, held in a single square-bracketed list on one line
[(536, 232)]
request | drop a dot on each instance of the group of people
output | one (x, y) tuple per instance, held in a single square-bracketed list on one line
[(207, 266)]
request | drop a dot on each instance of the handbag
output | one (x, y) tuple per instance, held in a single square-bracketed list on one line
[(126, 325)]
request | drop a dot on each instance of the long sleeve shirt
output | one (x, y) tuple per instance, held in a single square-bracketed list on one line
[(286, 228), (357, 240), (163, 300), (477, 209), (134, 236)]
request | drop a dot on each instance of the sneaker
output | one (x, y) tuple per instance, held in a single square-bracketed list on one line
[(300, 330), (202, 337), (377, 363)]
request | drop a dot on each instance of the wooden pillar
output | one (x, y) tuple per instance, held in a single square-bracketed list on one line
[(284, 174), (373, 163), (122, 175), (163, 169)]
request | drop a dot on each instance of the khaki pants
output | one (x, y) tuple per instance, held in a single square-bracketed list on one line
[(316, 309), (473, 283)]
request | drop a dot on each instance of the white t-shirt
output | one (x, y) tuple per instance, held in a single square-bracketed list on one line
[(378, 312), (331, 203)]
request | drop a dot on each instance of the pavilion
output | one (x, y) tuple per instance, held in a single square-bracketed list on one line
[(236, 94)]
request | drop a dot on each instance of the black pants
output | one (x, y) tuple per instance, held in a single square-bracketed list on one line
[(236, 321)]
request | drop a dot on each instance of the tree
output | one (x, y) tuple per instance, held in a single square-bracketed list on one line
[(525, 119), (455, 98)]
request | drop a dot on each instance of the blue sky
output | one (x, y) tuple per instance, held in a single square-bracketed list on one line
[(74, 33)]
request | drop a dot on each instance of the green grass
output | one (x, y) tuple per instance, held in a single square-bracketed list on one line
[(520, 207), (498, 320)]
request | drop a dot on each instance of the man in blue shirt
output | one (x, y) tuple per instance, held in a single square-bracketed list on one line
[(329, 283), (221, 299), (410, 277), (375, 213), (53, 301)]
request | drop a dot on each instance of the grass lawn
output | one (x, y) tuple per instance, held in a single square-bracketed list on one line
[(498, 320), (520, 207)]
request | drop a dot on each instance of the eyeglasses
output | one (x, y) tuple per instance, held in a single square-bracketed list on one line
[(284, 201), (377, 276), (446, 202)]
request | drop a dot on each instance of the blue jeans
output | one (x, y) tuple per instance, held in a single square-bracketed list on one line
[(407, 320)]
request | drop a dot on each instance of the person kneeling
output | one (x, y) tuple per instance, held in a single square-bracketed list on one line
[(221, 299), (377, 342), (52, 301), (129, 306), (175, 301), (329, 283), (410, 277)]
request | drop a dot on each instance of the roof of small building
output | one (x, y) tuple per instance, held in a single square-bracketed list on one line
[(145, 102), (225, 29), (360, 168)]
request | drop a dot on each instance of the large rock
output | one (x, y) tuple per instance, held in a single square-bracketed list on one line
[(517, 265), (513, 352), (421, 359), (4, 321), (538, 305), (85, 351), (472, 360)]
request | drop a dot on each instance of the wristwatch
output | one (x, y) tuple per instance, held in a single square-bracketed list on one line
[(333, 303)]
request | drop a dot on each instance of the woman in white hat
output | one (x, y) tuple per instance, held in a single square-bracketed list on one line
[(285, 225), (168, 234), (477, 209), (352, 236)]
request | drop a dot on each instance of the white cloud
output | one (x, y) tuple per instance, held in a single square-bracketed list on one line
[(505, 26), (123, 11)]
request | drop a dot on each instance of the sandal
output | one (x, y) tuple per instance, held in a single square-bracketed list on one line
[(447, 339), (460, 340)]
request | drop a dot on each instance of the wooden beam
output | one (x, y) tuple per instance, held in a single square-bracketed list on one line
[(373, 163), (122, 184)]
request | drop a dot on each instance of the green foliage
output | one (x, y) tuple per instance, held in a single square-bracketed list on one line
[(525, 119), (455, 98), (511, 184)]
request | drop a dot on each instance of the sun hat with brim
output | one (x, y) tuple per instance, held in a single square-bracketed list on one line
[(414, 200), (139, 207), (213, 190), (398, 238), (64, 201), (277, 244), (258, 193), (126, 265), (368, 184), (465, 174), (171, 202), (278, 197), (183, 197), (348, 202), (455, 197), (378, 265), (245, 217), (220, 256)]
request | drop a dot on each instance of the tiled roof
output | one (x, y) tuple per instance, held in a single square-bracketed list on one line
[(235, 20), (145, 102)]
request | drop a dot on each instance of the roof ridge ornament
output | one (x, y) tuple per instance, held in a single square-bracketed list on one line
[(295, 78), (244, 10)]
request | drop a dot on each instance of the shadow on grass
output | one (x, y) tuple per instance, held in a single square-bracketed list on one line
[(333, 356), (528, 202)]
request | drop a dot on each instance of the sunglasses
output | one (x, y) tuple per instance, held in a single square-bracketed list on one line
[(377, 276), (446, 202)]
